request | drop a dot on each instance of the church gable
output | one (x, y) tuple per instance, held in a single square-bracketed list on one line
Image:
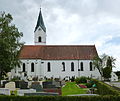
[(58, 52)]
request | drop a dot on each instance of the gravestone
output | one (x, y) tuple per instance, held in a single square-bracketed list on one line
[(24, 85), (4, 91), (21, 84), (56, 83), (17, 84), (21, 92), (47, 83), (37, 86), (10, 86)]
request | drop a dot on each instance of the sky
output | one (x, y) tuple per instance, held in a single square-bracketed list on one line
[(70, 22)]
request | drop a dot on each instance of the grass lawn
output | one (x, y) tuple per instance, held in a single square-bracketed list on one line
[(71, 88)]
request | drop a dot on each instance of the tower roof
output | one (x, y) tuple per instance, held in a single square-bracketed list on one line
[(40, 22)]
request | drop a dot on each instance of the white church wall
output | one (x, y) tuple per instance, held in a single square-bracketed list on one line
[(56, 69), (40, 69), (28, 62), (86, 72)]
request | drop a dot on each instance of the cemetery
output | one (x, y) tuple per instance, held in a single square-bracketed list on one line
[(53, 90), (30, 88), (50, 87)]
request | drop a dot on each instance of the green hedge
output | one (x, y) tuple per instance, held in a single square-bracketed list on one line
[(60, 98), (104, 89), (81, 79)]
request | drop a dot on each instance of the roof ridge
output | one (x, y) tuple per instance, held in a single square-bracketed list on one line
[(59, 45)]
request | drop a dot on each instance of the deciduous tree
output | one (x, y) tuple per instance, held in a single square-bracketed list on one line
[(104, 64), (10, 44)]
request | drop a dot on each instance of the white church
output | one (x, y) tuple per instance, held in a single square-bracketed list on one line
[(56, 61)]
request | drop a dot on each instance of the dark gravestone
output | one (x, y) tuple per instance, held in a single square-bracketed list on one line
[(4, 82), (17, 84), (21, 84), (48, 84), (36, 86)]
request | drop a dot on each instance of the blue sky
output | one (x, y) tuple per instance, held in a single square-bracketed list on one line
[(75, 22)]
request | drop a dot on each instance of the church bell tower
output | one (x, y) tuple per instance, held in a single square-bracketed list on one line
[(40, 31)]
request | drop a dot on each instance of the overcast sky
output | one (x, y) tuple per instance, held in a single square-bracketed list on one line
[(70, 22)]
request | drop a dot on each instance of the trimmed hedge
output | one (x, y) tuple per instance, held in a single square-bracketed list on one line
[(60, 98), (104, 89)]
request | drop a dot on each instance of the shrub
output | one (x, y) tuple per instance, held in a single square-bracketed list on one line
[(81, 80), (104, 89), (57, 79), (89, 85), (72, 79), (16, 78), (35, 78), (60, 98)]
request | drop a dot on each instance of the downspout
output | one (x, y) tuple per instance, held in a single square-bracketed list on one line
[(78, 69)]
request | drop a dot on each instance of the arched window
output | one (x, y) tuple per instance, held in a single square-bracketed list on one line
[(91, 69), (48, 67), (32, 67), (39, 39), (63, 66), (72, 66), (81, 66), (23, 67)]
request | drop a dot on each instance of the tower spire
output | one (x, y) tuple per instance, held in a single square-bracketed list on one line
[(40, 31), (40, 22)]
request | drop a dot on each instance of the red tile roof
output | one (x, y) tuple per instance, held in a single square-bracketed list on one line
[(58, 52)]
